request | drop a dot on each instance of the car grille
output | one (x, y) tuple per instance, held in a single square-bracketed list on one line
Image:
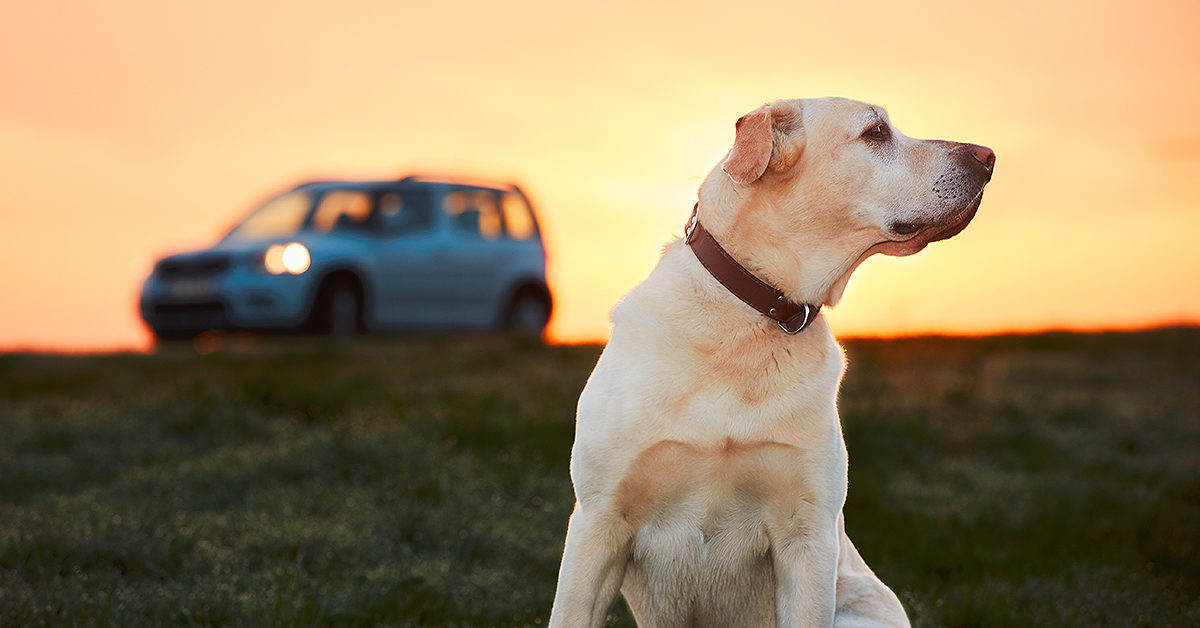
[(180, 317), (196, 266)]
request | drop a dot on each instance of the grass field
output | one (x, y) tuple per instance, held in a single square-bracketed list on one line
[(1049, 480)]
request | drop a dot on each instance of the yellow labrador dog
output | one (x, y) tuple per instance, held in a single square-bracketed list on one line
[(709, 465)]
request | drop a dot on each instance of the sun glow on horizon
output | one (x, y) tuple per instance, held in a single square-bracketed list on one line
[(130, 131)]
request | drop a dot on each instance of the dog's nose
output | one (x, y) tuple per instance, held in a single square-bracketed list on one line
[(983, 155)]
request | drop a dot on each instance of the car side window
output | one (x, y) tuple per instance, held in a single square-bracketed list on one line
[(342, 209), (518, 219), (402, 211), (474, 212)]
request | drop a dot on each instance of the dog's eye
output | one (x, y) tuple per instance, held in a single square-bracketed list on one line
[(878, 133)]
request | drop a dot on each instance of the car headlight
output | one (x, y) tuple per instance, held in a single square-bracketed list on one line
[(287, 258)]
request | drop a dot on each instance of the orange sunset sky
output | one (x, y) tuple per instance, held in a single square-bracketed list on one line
[(130, 129)]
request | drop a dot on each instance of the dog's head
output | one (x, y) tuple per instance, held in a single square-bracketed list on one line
[(829, 182)]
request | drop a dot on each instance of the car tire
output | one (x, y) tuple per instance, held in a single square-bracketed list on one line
[(527, 316)]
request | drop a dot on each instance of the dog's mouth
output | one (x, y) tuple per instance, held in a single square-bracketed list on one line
[(914, 236), (957, 223)]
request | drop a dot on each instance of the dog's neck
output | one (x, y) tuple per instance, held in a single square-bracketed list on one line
[(688, 316), (791, 317), (803, 265)]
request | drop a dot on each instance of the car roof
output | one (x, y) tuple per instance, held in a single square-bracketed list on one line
[(408, 181), (343, 185)]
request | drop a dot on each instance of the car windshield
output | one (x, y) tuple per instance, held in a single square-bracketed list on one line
[(279, 216)]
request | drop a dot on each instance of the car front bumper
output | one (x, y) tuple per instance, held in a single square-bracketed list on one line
[(237, 299)]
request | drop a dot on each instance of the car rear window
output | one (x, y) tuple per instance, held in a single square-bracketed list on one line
[(518, 219), (474, 212)]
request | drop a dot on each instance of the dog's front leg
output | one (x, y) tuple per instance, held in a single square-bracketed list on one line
[(593, 567), (806, 575)]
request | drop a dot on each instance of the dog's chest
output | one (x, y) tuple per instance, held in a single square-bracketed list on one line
[(730, 488), (703, 520)]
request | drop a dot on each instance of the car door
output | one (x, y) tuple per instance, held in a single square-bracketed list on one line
[(409, 269), (479, 253)]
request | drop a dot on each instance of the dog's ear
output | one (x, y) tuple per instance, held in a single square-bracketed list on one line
[(764, 138), (751, 152)]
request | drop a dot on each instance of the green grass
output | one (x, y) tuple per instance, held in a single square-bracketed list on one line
[(1049, 480)]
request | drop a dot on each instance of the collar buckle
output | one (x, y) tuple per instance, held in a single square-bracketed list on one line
[(689, 229), (786, 325)]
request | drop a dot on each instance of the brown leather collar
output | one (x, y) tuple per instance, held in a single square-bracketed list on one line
[(792, 317)]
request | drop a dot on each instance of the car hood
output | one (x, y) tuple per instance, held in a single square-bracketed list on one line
[(237, 251)]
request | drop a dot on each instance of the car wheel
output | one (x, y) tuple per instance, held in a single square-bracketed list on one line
[(528, 316)]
